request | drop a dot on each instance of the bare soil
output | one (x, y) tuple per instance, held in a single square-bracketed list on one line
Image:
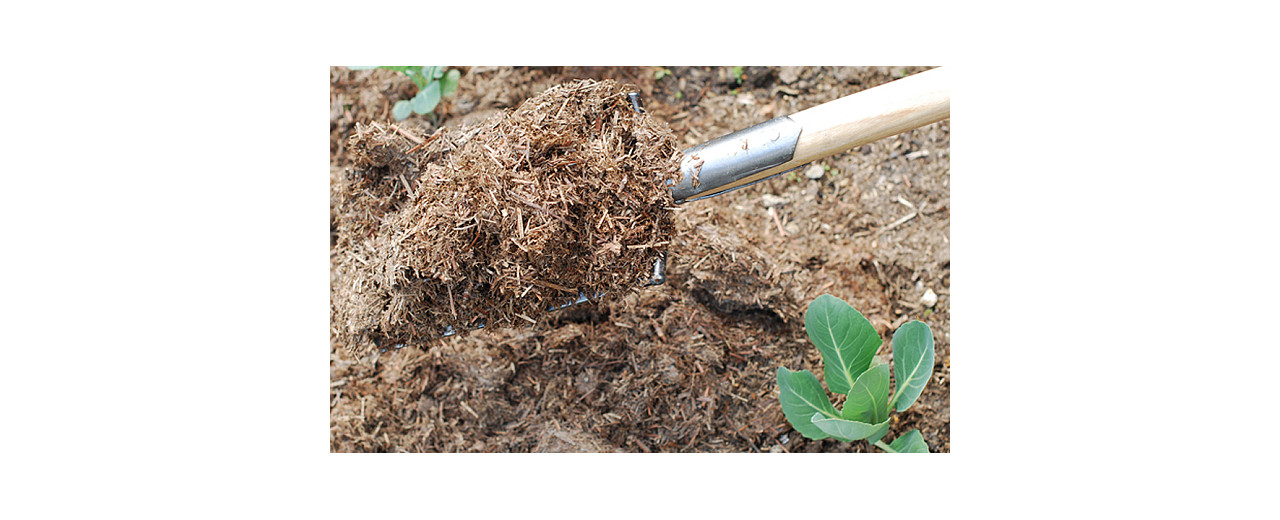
[(687, 366)]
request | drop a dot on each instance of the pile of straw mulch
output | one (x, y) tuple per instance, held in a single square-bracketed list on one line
[(497, 224)]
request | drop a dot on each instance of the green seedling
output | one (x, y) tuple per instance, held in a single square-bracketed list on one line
[(736, 74), (848, 344), (432, 82)]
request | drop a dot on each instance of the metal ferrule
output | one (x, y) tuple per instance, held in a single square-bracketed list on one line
[(708, 168)]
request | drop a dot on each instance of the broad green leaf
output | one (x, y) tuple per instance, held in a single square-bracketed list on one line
[(912, 362), (845, 338), (449, 83), (868, 401), (910, 442), (879, 433), (802, 397), (427, 99), (849, 431), (401, 110)]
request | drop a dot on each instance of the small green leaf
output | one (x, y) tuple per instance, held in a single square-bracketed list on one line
[(910, 442), (433, 72), (802, 397), (850, 431), (869, 399), (449, 83), (912, 362), (401, 110), (845, 338), (427, 99)]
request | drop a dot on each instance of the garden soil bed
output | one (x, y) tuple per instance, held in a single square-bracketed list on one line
[(687, 366)]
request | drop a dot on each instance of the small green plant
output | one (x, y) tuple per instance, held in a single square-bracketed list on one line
[(848, 344), (432, 82), (736, 74)]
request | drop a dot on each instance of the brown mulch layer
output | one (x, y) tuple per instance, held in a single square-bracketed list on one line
[(687, 366), (499, 223)]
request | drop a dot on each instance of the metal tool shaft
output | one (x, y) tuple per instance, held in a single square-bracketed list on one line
[(707, 169)]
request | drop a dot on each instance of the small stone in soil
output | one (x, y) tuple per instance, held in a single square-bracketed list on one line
[(815, 171), (770, 200), (789, 75), (929, 299)]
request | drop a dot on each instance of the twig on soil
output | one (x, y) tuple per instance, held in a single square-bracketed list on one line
[(898, 222), (647, 246), (452, 309), (407, 135), (774, 214), (424, 142), (895, 223), (879, 274)]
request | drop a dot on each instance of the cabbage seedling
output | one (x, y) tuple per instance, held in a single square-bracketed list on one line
[(848, 344), (432, 83)]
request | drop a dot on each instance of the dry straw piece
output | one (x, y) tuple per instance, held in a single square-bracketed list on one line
[(498, 223)]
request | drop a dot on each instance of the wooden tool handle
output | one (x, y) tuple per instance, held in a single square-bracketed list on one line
[(873, 114), (866, 116)]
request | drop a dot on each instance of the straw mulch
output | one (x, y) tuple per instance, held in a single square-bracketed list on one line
[(496, 224)]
